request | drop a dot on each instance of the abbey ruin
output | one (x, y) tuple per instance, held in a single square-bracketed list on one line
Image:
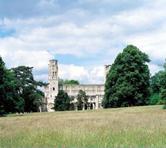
[(94, 92)]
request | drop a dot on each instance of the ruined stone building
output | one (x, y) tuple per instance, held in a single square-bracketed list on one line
[(94, 92)]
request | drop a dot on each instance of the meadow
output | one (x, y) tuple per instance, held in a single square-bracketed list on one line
[(134, 127)]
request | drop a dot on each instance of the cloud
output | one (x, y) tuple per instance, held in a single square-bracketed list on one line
[(155, 68), (83, 74), (153, 43), (74, 28)]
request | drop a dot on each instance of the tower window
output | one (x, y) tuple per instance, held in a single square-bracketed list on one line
[(53, 88)]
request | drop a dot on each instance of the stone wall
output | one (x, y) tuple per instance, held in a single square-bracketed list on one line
[(94, 92)]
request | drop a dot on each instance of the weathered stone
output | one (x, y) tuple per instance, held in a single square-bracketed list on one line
[(94, 92)]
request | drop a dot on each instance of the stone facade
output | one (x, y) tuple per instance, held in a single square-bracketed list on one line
[(94, 92)]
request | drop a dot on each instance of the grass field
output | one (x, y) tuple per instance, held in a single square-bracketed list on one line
[(136, 127)]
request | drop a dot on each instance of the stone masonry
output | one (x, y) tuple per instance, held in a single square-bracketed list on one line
[(94, 92)]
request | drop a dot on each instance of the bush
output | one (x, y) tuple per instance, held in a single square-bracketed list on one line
[(155, 99)]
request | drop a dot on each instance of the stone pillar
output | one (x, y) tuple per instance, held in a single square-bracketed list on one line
[(93, 104), (107, 68), (88, 107), (97, 102), (83, 107), (40, 109), (76, 107)]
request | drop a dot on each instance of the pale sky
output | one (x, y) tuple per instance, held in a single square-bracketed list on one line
[(83, 35)]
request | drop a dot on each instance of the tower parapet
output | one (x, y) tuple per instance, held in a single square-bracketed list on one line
[(52, 70), (95, 92), (107, 68)]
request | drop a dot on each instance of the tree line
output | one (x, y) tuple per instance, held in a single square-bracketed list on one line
[(19, 92), (128, 82)]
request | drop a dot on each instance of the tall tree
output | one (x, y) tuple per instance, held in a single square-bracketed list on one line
[(62, 101), (158, 87), (13, 102), (27, 88), (155, 88), (127, 83), (163, 86), (10, 101), (155, 82), (2, 87)]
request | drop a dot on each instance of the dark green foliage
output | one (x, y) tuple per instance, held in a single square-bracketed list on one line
[(27, 89), (163, 78), (158, 81), (158, 85), (155, 82), (155, 99), (127, 83), (9, 99), (71, 82), (155, 88), (2, 87), (163, 97), (82, 100), (13, 102), (163, 86), (18, 90), (62, 101), (74, 82)]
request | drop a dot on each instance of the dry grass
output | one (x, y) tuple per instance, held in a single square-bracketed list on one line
[(136, 127)]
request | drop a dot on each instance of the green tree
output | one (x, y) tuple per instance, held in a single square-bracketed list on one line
[(155, 88), (2, 87), (13, 102), (27, 88), (10, 102), (163, 97), (82, 100), (127, 83), (155, 82), (163, 86), (163, 77), (158, 87), (70, 82), (62, 101)]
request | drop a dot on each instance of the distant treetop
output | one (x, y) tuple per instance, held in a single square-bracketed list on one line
[(71, 82)]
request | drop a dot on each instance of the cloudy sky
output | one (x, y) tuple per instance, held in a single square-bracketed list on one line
[(83, 35)]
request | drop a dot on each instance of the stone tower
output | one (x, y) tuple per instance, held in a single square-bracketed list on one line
[(53, 82), (107, 68)]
